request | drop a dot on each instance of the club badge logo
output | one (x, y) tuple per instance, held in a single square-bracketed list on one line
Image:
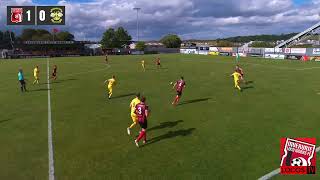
[(16, 15), (298, 155), (56, 15)]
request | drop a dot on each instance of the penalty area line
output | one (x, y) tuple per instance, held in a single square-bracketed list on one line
[(277, 171), (50, 142)]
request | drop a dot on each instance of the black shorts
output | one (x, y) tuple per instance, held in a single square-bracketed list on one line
[(54, 74), (22, 82), (158, 64), (179, 93), (144, 124)]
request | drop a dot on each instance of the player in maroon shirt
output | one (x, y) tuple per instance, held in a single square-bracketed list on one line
[(240, 71), (179, 86), (54, 73), (142, 112), (158, 62)]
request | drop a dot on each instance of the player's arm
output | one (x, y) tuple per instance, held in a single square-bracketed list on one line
[(106, 81), (147, 112), (174, 85)]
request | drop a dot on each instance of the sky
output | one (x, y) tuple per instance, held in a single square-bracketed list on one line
[(190, 19)]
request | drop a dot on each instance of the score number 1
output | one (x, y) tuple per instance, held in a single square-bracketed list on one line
[(42, 15)]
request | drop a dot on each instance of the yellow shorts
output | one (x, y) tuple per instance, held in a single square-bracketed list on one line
[(110, 88), (36, 77), (134, 118)]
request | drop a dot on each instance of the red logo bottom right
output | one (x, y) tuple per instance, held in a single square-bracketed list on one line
[(298, 156)]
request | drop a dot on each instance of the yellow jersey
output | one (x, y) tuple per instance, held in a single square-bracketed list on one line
[(236, 76), (133, 104), (142, 62), (35, 72), (112, 82)]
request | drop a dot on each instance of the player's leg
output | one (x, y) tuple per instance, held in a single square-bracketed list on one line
[(134, 119), (237, 84), (145, 132), (21, 85), (24, 85), (141, 135), (177, 99), (35, 80), (110, 92)]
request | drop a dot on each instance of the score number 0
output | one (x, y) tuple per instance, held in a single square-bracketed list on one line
[(42, 15)]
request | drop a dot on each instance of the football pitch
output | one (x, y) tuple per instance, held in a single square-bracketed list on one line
[(216, 132)]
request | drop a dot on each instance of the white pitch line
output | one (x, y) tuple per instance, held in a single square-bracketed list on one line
[(302, 69), (50, 143), (277, 171)]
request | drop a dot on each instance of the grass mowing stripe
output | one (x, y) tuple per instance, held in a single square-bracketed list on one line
[(50, 144), (86, 72), (277, 171)]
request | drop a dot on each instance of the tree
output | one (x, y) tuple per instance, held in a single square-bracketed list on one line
[(108, 38), (122, 37), (223, 43), (260, 44), (64, 36), (7, 38), (141, 46), (27, 34), (171, 41), (115, 38), (1, 36)]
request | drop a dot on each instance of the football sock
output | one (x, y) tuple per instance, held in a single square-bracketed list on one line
[(141, 135), (145, 136)]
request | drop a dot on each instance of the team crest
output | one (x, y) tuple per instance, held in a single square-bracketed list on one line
[(298, 155), (56, 15), (16, 15)]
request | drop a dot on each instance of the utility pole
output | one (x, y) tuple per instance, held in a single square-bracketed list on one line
[(137, 9)]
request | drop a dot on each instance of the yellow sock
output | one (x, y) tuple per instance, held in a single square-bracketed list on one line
[(132, 125)]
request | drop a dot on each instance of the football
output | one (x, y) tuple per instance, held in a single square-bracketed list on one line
[(296, 162)]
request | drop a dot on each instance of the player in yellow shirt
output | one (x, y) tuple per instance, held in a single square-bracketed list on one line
[(236, 77), (134, 117), (111, 83), (143, 65), (36, 73)]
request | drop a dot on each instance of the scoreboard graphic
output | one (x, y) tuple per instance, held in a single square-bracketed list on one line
[(36, 15)]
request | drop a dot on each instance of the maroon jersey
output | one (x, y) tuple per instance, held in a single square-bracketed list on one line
[(239, 70), (54, 70), (140, 111), (180, 85), (158, 61)]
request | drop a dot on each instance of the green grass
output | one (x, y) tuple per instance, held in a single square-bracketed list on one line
[(217, 132)]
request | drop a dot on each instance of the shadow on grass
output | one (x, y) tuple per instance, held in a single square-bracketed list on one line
[(249, 82), (5, 120), (61, 81), (123, 95), (248, 87), (41, 89), (168, 124), (171, 134), (193, 101)]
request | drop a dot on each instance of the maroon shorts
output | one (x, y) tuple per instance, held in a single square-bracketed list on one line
[(144, 124), (179, 93)]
